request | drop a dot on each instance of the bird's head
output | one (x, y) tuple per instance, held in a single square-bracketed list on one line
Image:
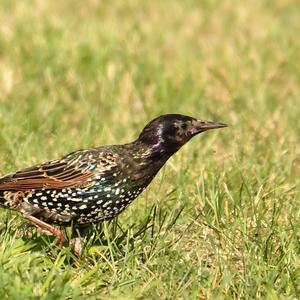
[(168, 133)]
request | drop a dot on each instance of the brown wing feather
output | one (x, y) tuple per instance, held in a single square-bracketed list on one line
[(51, 175)]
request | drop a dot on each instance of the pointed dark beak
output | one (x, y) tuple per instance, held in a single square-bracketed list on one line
[(201, 126)]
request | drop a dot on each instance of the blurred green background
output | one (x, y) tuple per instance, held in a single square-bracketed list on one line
[(79, 74)]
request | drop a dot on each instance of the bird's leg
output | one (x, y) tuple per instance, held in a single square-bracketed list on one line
[(44, 227), (78, 235)]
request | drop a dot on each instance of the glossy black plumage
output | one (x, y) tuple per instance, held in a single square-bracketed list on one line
[(89, 186)]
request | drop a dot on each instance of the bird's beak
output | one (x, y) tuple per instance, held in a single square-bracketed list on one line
[(200, 126)]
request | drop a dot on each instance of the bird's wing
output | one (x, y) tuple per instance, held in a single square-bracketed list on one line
[(73, 170)]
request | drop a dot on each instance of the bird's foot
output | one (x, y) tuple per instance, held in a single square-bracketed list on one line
[(77, 239), (48, 229), (76, 244)]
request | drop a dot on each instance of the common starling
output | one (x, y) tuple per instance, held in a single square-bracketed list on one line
[(88, 186)]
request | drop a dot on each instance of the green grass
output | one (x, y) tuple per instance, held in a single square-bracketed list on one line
[(222, 219)]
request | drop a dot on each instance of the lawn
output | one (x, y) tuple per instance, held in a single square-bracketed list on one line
[(222, 219)]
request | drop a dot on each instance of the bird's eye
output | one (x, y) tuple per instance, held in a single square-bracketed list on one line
[(184, 126)]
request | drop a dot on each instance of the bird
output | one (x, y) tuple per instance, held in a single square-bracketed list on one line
[(88, 186)]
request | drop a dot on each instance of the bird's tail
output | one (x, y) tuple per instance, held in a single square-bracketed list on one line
[(2, 200), (9, 199)]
